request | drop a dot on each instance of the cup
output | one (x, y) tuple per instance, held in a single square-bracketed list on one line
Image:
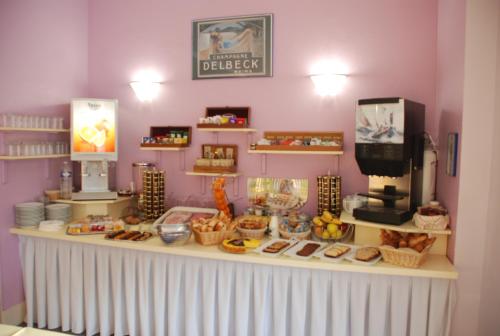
[(352, 202)]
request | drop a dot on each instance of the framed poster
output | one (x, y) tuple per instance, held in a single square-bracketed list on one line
[(233, 47)]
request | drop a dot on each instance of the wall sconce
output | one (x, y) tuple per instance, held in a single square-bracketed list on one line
[(145, 91), (329, 76), (328, 84)]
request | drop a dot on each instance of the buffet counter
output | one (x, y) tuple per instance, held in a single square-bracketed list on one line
[(436, 266), (88, 283)]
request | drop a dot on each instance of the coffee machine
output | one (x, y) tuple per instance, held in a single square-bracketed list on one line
[(389, 149)]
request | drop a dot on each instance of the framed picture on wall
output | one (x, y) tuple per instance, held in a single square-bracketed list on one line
[(452, 153), (233, 47)]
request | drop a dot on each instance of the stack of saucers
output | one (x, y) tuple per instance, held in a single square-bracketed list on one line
[(60, 212), (51, 225), (29, 214)]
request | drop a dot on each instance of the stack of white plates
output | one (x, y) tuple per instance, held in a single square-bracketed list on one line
[(51, 225), (60, 212), (29, 214)]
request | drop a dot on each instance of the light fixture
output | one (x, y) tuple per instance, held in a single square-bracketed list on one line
[(146, 85), (328, 84), (329, 77), (145, 91)]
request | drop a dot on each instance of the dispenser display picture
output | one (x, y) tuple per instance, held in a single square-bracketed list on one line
[(382, 124), (94, 141), (93, 126)]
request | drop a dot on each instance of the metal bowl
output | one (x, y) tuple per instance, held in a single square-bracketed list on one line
[(174, 234)]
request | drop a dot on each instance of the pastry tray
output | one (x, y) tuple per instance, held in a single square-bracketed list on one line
[(352, 258), (261, 248), (292, 252), (321, 253), (133, 241)]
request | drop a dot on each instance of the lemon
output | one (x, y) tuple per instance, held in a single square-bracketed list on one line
[(325, 235), (338, 234), (326, 216), (332, 229), (317, 221)]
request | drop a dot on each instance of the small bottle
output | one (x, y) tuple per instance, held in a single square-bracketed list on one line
[(66, 180)]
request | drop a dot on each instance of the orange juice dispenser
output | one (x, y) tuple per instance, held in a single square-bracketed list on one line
[(94, 142)]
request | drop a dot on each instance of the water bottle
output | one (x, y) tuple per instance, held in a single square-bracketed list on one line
[(66, 180)]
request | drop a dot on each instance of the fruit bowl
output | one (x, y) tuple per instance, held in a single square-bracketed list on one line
[(329, 228)]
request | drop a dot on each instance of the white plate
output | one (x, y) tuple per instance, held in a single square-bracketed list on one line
[(292, 252), (260, 249), (321, 253), (352, 258)]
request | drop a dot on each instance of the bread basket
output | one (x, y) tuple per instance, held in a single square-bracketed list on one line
[(259, 222), (253, 234), (405, 257), (438, 222), (210, 238)]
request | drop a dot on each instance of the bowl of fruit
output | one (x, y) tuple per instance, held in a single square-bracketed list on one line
[(330, 228)]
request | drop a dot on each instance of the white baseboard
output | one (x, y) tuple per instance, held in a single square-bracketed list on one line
[(14, 315)]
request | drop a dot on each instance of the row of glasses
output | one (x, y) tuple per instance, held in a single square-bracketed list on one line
[(31, 121), (37, 148)]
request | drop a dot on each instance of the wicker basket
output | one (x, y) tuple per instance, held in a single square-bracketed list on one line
[(252, 234), (439, 222), (405, 257), (296, 235), (210, 238)]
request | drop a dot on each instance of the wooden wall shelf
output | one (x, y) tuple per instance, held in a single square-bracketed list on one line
[(225, 129), (294, 152)]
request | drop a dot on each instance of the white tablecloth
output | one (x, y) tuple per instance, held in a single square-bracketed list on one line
[(81, 287)]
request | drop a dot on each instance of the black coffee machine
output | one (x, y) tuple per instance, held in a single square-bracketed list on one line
[(389, 149)]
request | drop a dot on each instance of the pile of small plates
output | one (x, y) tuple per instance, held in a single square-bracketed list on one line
[(60, 212), (29, 214), (51, 225)]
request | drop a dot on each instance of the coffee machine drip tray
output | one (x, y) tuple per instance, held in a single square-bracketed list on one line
[(382, 214)]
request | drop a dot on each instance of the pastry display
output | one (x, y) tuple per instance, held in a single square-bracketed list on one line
[(295, 224), (277, 247), (330, 227), (415, 241), (308, 249), (240, 245), (367, 254), (337, 251), (94, 225), (129, 235)]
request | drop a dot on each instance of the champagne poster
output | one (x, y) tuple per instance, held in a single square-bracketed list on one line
[(232, 47)]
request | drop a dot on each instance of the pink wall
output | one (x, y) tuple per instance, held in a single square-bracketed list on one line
[(449, 98), (43, 64), (389, 47)]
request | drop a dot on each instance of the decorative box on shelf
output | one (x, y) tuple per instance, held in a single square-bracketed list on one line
[(225, 117), (217, 159), (301, 141), (167, 137)]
